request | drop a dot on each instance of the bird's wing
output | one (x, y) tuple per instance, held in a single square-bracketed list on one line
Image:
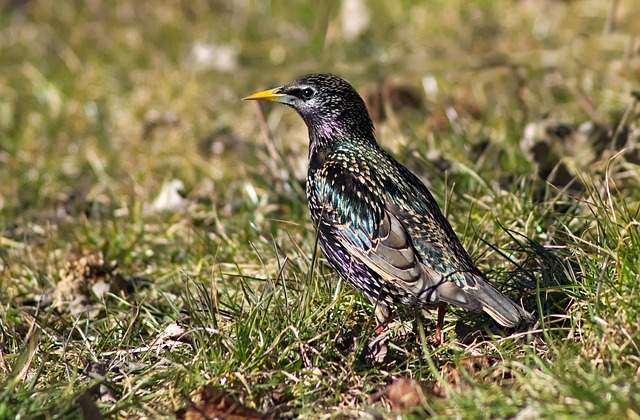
[(354, 215), (463, 284)]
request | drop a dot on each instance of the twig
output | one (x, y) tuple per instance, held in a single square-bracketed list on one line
[(583, 99), (275, 158), (623, 121), (611, 18)]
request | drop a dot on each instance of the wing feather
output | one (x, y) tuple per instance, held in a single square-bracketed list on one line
[(356, 217)]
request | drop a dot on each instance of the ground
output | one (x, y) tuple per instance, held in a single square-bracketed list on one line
[(155, 249)]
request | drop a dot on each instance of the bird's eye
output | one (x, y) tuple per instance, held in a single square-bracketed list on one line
[(307, 93)]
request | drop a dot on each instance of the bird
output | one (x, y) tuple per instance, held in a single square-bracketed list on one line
[(377, 224)]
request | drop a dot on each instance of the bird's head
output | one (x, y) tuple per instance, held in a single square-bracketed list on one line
[(329, 105)]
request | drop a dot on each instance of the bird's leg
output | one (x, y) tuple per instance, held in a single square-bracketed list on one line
[(382, 314), (378, 347), (438, 339)]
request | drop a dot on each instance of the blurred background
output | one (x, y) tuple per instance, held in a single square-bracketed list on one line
[(102, 102)]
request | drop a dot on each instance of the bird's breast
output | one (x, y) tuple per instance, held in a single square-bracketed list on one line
[(318, 158)]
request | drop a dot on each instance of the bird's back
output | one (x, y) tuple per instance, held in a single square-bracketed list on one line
[(405, 196)]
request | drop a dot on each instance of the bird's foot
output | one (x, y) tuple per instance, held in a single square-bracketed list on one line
[(438, 338)]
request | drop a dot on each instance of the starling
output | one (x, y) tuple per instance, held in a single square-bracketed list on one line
[(378, 225)]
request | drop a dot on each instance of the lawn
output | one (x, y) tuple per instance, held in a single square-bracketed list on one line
[(156, 255)]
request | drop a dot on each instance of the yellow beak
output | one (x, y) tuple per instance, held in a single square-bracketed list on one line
[(266, 95)]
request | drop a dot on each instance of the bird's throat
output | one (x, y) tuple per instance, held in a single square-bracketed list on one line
[(324, 138)]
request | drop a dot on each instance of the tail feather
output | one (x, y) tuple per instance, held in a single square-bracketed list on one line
[(483, 297), (502, 309)]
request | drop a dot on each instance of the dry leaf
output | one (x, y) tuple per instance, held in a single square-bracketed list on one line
[(218, 404), (170, 198), (455, 376), (405, 394)]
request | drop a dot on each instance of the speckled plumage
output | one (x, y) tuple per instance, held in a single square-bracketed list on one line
[(378, 225)]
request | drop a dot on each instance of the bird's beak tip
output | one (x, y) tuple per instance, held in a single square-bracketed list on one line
[(265, 95)]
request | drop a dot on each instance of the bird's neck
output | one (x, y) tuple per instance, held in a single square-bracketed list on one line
[(325, 136), (331, 134)]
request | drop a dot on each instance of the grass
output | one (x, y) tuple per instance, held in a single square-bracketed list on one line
[(103, 105)]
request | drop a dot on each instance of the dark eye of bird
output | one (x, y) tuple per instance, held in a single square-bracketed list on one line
[(307, 93)]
